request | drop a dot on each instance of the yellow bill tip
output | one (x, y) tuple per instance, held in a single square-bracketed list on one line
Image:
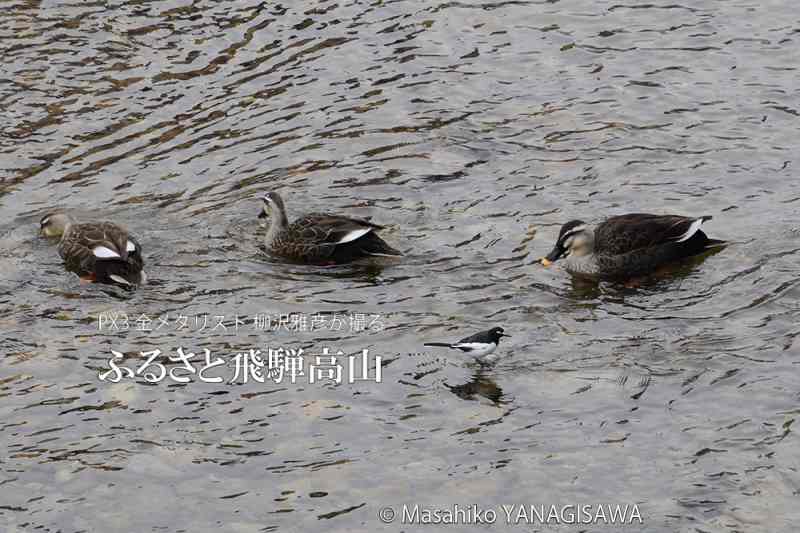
[(546, 262)]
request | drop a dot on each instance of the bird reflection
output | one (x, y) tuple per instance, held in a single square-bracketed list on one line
[(481, 384), (582, 288)]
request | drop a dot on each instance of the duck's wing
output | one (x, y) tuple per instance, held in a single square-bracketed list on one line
[(134, 249), (75, 252), (625, 233), (90, 242), (324, 229)]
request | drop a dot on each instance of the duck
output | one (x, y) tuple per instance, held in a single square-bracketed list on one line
[(320, 238), (480, 346), (629, 246), (100, 252)]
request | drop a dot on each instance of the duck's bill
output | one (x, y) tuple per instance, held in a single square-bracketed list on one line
[(551, 258)]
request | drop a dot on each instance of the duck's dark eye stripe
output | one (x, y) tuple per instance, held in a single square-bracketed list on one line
[(564, 238), (571, 233)]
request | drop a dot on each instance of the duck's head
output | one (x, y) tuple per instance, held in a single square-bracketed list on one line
[(575, 238), (54, 225), (496, 334), (272, 204)]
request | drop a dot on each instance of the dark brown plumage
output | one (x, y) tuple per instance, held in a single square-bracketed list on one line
[(97, 251), (629, 245), (321, 237), (626, 233)]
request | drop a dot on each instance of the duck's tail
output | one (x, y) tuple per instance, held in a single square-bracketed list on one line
[(715, 243), (372, 244), (120, 272)]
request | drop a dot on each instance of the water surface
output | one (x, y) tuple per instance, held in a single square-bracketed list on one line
[(472, 130)]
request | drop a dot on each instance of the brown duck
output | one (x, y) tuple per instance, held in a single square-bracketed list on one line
[(628, 246), (321, 238), (97, 251)]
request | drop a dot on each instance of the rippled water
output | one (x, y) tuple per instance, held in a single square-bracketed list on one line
[(472, 130)]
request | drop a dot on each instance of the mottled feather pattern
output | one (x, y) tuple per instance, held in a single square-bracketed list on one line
[(629, 245), (643, 261), (78, 244), (637, 244), (316, 238), (626, 233)]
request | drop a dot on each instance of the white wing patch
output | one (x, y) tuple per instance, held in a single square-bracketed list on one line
[(476, 349), (119, 279), (105, 253), (131, 247), (694, 228), (350, 236)]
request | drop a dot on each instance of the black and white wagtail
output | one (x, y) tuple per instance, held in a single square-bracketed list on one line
[(480, 346)]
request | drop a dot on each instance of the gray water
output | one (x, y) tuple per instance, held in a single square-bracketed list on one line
[(472, 131)]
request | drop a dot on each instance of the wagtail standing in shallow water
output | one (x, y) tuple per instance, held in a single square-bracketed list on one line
[(480, 346)]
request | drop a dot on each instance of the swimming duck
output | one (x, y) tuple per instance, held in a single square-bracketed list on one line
[(321, 238), (628, 246), (481, 345), (96, 251)]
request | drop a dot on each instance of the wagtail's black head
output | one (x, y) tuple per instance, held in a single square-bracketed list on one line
[(495, 334), (574, 237)]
